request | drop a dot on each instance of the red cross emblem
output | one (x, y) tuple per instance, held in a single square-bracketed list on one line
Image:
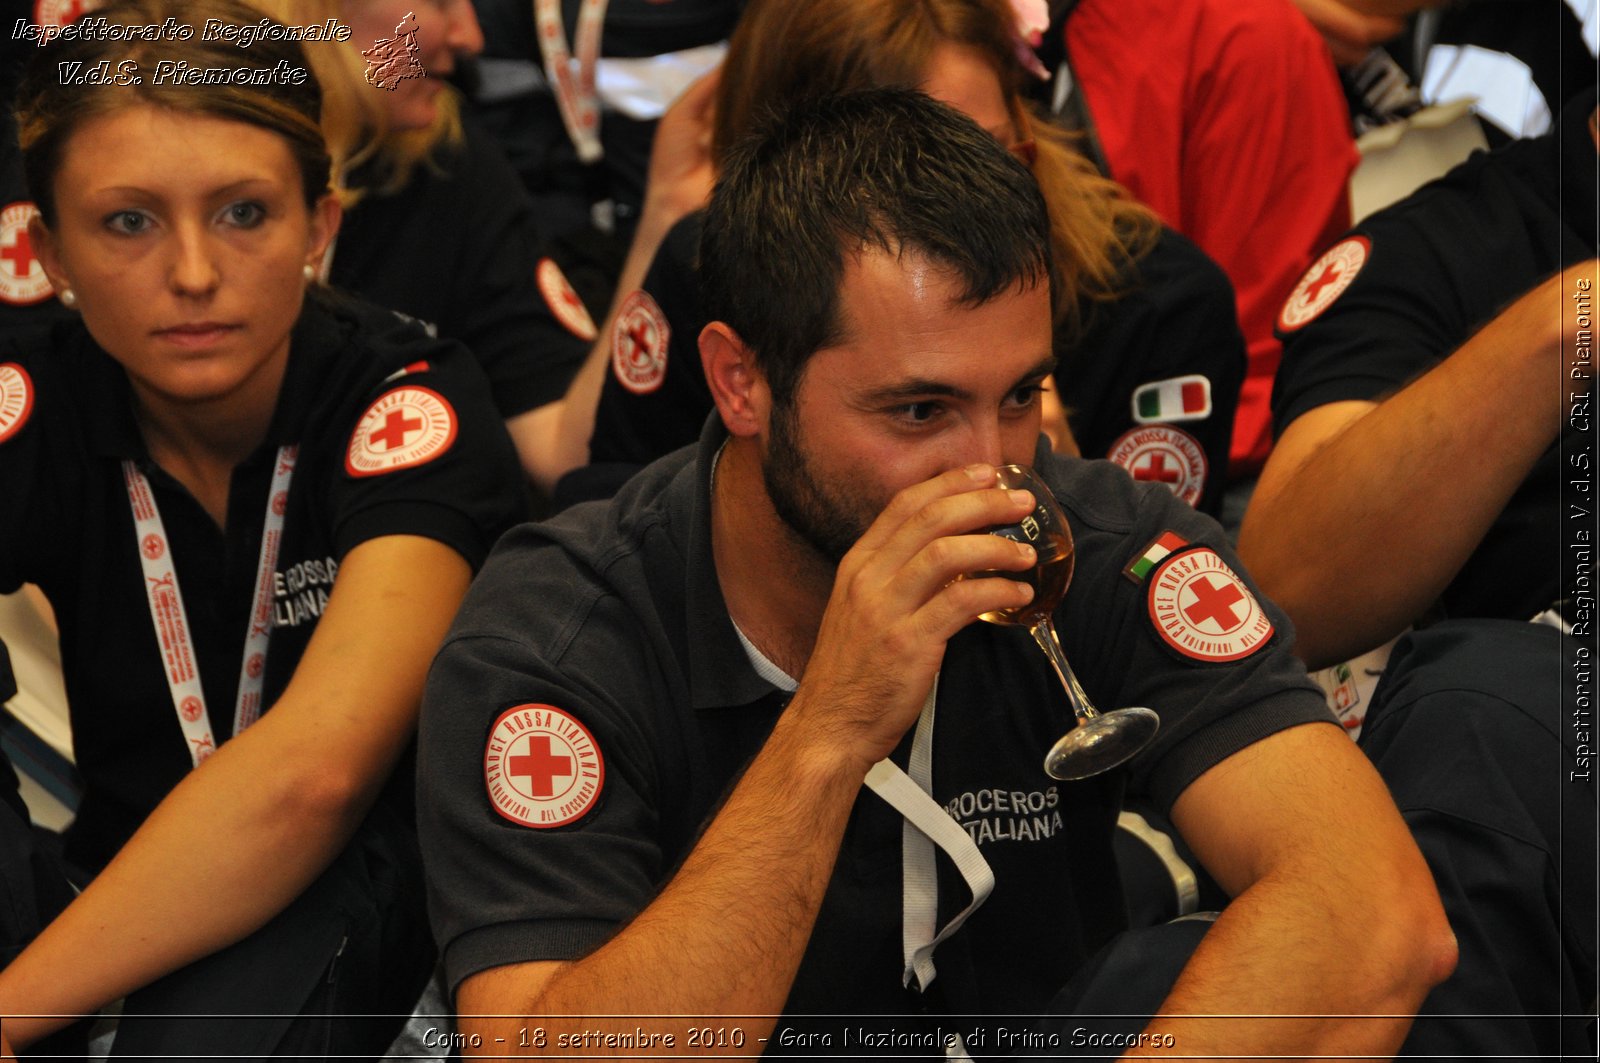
[(1163, 454), (19, 253), (1154, 467), (1329, 275), (564, 302), (153, 547), (22, 279), (395, 429), (639, 344), (542, 767), (190, 709), (1202, 609), (1214, 603), (254, 666), (1324, 282), (408, 426)]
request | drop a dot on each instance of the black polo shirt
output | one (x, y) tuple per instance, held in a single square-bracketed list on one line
[(458, 248), (66, 525), (1174, 322), (612, 616), (1433, 269)]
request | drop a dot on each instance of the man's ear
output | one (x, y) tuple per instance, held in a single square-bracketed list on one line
[(737, 386)]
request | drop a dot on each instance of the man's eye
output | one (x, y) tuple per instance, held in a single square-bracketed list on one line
[(920, 412), (1026, 395)]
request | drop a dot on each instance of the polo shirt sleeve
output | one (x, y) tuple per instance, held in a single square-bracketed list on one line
[(526, 699), (1188, 635), (426, 453), (654, 399), (1394, 320), (504, 311)]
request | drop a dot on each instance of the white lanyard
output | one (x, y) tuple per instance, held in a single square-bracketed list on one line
[(575, 89), (927, 825), (171, 621)]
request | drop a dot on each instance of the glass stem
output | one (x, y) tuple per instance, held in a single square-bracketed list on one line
[(1044, 633)]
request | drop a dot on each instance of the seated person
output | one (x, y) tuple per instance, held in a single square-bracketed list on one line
[(1227, 119), (1434, 404), (1151, 358), (437, 224), (1399, 342), (252, 505), (643, 755)]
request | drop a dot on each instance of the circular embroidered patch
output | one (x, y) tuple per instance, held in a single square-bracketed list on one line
[(1324, 282), (22, 279), (407, 427), (639, 344), (1160, 453), (542, 768), (1203, 610), (564, 302), (56, 13), (16, 399)]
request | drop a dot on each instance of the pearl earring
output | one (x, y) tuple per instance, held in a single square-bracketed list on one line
[(69, 298), (310, 272)]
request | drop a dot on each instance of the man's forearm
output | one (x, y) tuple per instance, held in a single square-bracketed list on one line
[(1356, 527), (726, 935)]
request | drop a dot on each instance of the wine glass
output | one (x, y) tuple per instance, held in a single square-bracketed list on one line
[(1100, 741)]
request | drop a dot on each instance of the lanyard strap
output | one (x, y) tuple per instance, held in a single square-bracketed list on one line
[(927, 825), (575, 90), (171, 621)]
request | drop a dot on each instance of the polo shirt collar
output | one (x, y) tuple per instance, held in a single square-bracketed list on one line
[(720, 673)]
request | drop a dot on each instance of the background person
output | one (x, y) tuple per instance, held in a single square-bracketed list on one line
[(1151, 357), (211, 458)]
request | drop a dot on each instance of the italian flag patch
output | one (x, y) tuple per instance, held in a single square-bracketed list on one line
[(1182, 398), (1153, 555)]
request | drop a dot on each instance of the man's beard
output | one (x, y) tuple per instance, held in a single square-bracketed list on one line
[(822, 519)]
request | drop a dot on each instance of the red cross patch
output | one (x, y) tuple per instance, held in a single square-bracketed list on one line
[(16, 399), (1202, 609), (408, 426), (22, 279), (1324, 282), (56, 13), (541, 767), (564, 302), (1160, 453), (639, 344)]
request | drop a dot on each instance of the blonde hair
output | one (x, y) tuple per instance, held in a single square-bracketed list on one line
[(354, 122), (788, 49)]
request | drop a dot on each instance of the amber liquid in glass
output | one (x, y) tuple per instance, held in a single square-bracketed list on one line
[(1049, 577)]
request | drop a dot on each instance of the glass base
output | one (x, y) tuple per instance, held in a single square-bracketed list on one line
[(1100, 743)]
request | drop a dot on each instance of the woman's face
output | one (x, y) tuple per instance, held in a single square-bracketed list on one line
[(445, 30), (184, 239), (960, 76)]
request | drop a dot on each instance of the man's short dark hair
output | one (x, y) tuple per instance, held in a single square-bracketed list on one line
[(884, 168)]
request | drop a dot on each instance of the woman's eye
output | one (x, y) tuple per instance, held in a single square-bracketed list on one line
[(127, 222), (245, 215)]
